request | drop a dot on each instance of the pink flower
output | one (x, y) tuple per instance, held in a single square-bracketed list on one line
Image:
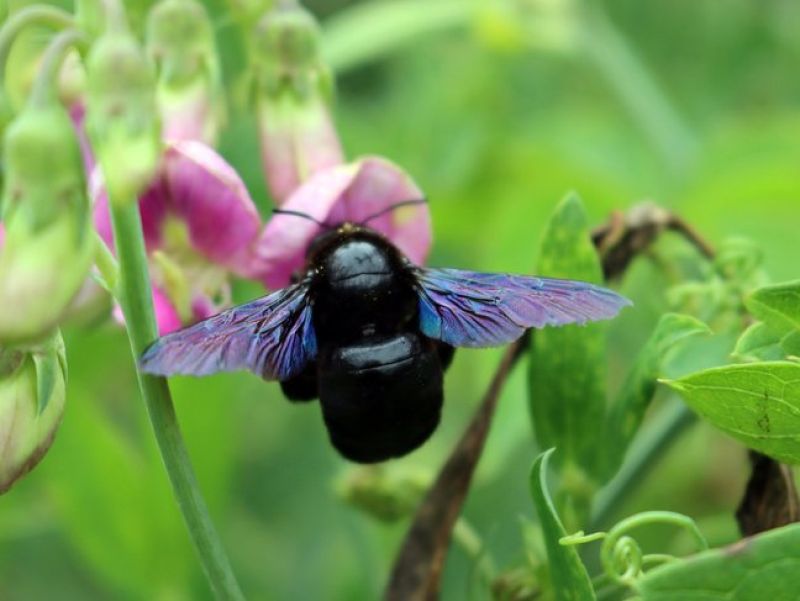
[(180, 41), (296, 143), (357, 192), (294, 89), (199, 225)]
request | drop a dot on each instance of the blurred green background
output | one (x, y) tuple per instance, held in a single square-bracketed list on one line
[(695, 105)]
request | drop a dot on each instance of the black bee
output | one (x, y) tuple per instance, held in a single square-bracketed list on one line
[(370, 334)]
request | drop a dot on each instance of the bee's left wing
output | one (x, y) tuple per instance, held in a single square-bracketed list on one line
[(472, 309), (272, 336)]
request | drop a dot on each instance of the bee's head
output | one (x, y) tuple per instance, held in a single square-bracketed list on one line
[(336, 233), (354, 252)]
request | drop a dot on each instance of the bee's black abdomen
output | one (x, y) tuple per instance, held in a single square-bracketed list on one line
[(381, 398), (446, 354), (302, 387)]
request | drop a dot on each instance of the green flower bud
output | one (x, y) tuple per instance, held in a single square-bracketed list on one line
[(122, 119), (297, 134), (386, 493), (22, 65), (180, 41), (47, 247), (32, 392), (287, 42)]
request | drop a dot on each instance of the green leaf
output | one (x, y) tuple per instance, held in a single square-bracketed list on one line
[(640, 385), (766, 566), (779, 304), (758, 404), (567, 375), (791, 344), (47, 368), (760, 342), (568, 575)]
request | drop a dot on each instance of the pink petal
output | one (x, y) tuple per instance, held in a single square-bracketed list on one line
[(202, 308), (282, 247), (190, 116), (379, 185), (196, 186), (208, 194), (167, 317), (152, 210), (353, 193), (77, 113), (296, 143)]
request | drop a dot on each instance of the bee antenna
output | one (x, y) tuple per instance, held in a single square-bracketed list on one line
[(301, 214), (397, 205)]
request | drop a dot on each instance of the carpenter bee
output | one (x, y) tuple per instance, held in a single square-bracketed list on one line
[(370, 334)]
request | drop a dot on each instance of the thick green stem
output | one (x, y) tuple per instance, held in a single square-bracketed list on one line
[(644, 452), (136, 301)]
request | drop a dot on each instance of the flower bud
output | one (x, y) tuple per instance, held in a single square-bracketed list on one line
[(32, 392), (297, 134), (122, 120), (180, 41), (386, 493), (48, 247)]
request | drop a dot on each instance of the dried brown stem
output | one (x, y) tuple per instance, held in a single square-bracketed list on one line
[(417, 570), (770, 498)]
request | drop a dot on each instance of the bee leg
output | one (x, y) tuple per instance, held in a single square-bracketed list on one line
[(446, 353), (302, 387)]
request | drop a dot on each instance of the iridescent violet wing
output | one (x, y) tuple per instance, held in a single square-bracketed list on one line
[(273, 337), (467, 308)]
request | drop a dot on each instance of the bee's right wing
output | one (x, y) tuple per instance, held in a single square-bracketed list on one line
[(273, 337), (473, 309)]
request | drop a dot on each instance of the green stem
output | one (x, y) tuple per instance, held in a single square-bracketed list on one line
[(372, 30), (114, 12), (644, 452), (638, 90), (45, 86), (106, 264), (136, 301), (38, 14), (622, 557), (470, 541)]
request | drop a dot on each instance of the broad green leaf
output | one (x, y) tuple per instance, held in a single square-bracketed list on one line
[(779, 304), (759, 404), (791, 344), (760, 342), (764, 567), (567, 573), (640, 385), (567, 376)]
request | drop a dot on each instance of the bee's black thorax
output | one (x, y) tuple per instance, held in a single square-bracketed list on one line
[(361, 287)]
